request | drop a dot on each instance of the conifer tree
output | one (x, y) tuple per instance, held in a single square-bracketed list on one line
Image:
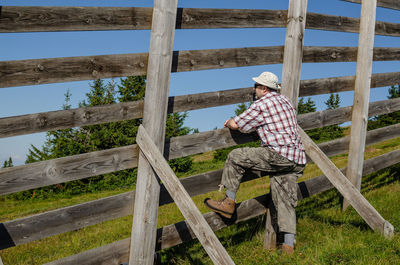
[(67, 142)]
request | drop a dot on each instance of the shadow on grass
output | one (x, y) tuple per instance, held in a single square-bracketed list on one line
[(311, 207)]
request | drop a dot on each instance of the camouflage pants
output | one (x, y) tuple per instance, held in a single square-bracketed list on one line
[(283, 179)]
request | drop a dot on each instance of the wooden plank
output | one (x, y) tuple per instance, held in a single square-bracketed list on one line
[(54, 70), (329, 117), (65, 169), (51, 18), (291, 71), (341, 145), (293, 52), (359, 120), (178, 233), (319, 86), (112, 254), (62, 119), (144, 226), (194, 218), (392, 4), (347, 24), (346, 188), (39, 18)]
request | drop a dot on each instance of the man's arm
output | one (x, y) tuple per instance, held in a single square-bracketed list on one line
[(231, 124)]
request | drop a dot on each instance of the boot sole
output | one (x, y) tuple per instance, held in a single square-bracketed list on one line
[(225, 214)]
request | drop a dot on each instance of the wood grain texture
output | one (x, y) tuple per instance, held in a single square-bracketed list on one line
[(63, 119), (39, 18), (54, 70), (144, 225), (291, 71), (346, 188), (182, 199), (359, 120), (293, 53), (178, 233), (392, 4), (65, 169)]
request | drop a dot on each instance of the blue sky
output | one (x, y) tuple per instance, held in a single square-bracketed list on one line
[(42, 98)]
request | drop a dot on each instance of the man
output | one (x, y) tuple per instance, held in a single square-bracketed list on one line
[(281, 155)]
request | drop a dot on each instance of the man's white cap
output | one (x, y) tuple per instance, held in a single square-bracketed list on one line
[(268, 79)]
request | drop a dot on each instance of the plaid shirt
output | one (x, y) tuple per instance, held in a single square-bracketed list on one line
[(274, 119)]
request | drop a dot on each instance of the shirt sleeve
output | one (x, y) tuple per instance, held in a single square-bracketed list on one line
[(250, 119)]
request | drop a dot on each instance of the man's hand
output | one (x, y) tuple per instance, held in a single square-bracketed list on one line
[(231, 124)]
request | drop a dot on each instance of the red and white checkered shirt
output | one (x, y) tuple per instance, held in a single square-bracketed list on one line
[(274, 119)]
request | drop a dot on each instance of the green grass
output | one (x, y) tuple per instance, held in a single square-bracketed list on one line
[(326, 234)]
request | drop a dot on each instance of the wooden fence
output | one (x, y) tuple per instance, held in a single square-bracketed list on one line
[(53, 70)]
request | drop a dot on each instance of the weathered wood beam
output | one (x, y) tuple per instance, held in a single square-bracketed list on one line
[(144, 225), (39, 18), (63, 119), (178, 233), (346, 188), (359, 119), (319, 86), (54, 70), (65, 169), (182, 199), (341, 145), (293, 53), (392, 4), (291, 71)]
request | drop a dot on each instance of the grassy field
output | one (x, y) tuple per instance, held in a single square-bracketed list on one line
[(326, 235)]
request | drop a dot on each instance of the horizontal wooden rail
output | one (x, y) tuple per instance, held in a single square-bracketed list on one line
[(39, 18), (62, 119), (75, 167), (54, 70), (178, 233), (392, 4), (28, 229)]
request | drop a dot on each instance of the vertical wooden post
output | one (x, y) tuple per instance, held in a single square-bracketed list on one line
[(292, 59), (361, 94), (293, 53), (144, 227)]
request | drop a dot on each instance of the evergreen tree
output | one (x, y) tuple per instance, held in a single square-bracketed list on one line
[(333, 102), (329, 132), (91, 138), (386, 119), (306, 107), (8, 163), (241, 107)]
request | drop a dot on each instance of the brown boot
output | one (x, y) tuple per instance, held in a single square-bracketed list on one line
[(225, 207), (287, 249)]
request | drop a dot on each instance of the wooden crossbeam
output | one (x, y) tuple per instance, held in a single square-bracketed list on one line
[(392, 4), (182, 199)]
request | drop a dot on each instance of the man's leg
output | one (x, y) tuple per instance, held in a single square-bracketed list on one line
[(236, 164), (238, 161), (284, 198)]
